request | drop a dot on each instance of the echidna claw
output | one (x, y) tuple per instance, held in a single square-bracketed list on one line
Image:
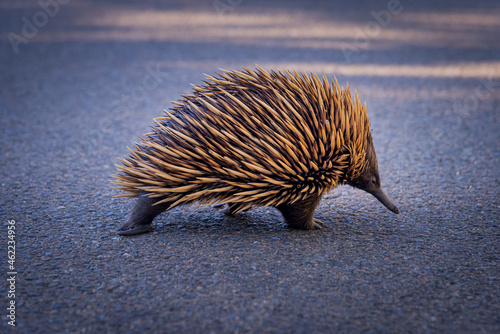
[(318, 224)]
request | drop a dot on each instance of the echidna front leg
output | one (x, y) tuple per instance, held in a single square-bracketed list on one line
[(141, 218), (300, 215)]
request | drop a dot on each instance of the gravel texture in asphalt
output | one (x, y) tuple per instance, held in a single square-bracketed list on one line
[(82, 79)]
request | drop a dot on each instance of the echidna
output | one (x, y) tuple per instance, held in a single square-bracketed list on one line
[(248, 139)]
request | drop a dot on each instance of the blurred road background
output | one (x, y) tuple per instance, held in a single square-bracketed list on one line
[(81, 80)]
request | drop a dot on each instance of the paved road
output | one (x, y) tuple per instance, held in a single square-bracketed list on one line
[(80, 83)]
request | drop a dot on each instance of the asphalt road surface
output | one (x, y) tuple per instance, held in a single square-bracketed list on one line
[(82, 79)]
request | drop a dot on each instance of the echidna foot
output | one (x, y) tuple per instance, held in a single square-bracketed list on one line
[(225, 208), (300, 215), (134, 229), (318, 224), (142, 215), (228, 211)]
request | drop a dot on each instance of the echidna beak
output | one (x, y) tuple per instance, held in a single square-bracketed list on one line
[(382, 197)]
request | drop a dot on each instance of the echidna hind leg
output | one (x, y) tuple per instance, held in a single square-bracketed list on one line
[(141, 218), (300, 215)]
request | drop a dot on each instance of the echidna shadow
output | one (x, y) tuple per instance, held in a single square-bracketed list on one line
[(249, 139)]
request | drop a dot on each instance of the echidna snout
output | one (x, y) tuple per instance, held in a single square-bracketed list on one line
[(369, 179)]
